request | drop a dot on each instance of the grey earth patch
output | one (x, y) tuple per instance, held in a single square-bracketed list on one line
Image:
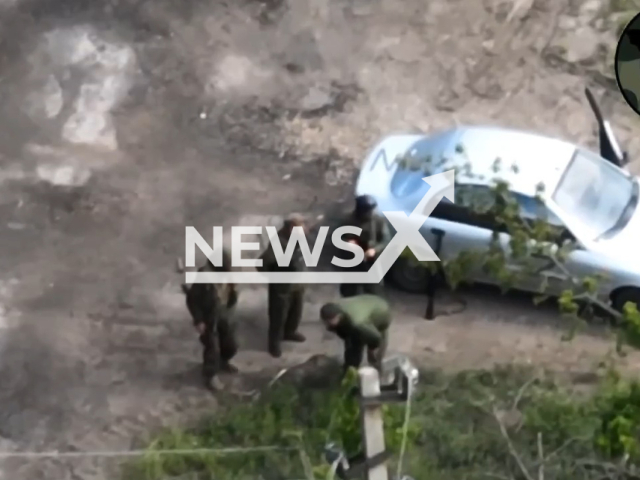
[(45, 101), (320, 102), (98, 74), (66, 166), (66, 175), (108, 69), (315, 100), (8, 315), (235, 73), (270, 11)]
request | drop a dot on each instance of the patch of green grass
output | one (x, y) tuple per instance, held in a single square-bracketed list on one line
[(492, 424)]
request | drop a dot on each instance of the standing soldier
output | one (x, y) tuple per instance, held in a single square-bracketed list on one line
[(286, 301), (361, 322), (374, 237), (212, 306)]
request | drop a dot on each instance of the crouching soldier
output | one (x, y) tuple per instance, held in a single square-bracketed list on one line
[(375, 236), (212, 306), (361, 322), (286, 300)]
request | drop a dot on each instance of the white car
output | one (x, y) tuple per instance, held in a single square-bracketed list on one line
[(589, 196)]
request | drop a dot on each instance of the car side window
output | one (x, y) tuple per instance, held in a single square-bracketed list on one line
[(472, 201), (533, 209), (476, 197), (480, 197)]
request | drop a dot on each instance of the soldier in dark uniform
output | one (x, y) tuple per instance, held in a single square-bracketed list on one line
[(361, 322), (373, 239), (286, 301), (212, 306)]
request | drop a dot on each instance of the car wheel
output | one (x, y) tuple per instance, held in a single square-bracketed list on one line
[(621, 298), (409, 275)]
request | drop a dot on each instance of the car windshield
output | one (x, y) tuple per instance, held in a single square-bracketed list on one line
[(594, 193)]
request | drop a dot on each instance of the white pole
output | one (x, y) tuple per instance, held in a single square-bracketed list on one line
[(372, 422)]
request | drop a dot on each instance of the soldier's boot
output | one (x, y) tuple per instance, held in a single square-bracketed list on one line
[(210, 358), (278, 308), (275, 350), (349, 290), (295, 337), (228, 346), (228, 367), (293, 318)]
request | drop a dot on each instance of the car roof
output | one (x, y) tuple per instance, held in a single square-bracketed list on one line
[(537, 158)]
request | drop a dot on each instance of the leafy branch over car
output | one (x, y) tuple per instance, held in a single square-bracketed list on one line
[(531, 213)]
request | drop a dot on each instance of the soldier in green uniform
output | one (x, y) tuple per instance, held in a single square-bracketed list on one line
[(286, 301), (361, 322), (212, 306), (373, 239)]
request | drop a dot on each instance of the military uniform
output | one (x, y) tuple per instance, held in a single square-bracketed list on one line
[(375, 234), (286, 301), (364, 322), (213, 306)]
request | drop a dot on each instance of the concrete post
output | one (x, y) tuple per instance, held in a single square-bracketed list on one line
[(372, 422)]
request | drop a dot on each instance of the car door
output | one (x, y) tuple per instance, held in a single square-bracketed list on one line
[(466, 230), (543, 270), (578, 264)]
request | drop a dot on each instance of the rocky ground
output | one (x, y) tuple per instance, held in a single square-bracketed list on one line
[(121, 122)]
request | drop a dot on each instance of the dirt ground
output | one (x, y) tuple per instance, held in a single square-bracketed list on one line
[(121, 122)]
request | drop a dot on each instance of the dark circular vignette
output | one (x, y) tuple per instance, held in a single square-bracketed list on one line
[(628, 50)]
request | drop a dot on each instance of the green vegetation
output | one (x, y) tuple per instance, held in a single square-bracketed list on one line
[(506, 423), (301, 420)]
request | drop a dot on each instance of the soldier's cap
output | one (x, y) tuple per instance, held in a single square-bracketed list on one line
[(329, 311)]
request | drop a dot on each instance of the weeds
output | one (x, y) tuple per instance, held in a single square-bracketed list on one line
[(501, 423)]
